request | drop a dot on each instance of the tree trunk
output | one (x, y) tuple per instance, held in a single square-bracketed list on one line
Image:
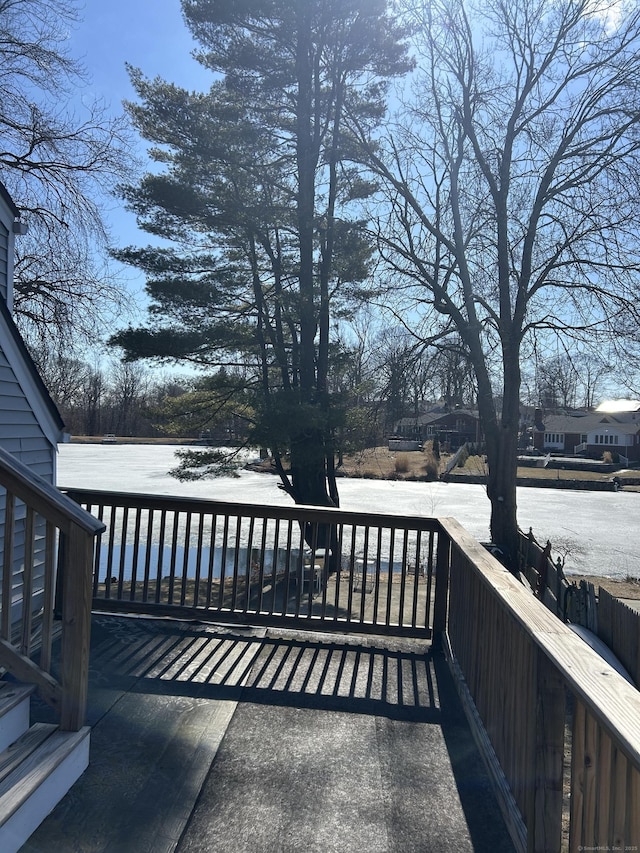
[(501, 490), (502, 458)]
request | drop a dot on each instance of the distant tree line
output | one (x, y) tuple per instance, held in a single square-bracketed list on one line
[(380, 380)]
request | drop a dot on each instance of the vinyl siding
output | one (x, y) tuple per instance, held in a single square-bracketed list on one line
[(21, 435)]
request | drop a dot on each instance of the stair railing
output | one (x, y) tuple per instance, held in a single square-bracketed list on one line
[(47, 546)]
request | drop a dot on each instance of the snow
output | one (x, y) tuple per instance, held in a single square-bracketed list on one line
[(597, 530)]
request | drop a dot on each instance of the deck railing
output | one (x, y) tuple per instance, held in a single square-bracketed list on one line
[(47, 550), (557, 724), (302, 566), (525, 675)]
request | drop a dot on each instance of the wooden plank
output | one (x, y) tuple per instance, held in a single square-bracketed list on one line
[(441, 603), (619, 797), (313, 515), (24, 746), (13, 694), (43, 497), (7, 574), (603, 792), (549, 756), (49, 597), (76, 629), (611, 699), (589, 781), (18, 786), (26, 670), (633, 798), (576, 827), (27, 583)]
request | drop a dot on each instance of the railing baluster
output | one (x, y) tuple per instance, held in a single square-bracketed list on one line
[(147, 555), (97, 551), (198, 569), (261, 567), (173, 556), (123, 549), (274, 568), (236, 564), (212, 557), (376, 592), (109, 569), (287, 570), (185, 561), (135, 554), (7, 576), (27, 581), (403, 575), (160, 561), (249, 564), (392, 536), (223, 562), (352, 572), (49, 596)]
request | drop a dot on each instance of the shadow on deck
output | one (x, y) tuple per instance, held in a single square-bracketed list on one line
[(208, 738)]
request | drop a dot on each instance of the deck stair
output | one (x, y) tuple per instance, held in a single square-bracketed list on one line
[(38, 765)]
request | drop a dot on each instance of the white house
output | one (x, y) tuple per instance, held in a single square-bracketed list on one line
[(590, 434)]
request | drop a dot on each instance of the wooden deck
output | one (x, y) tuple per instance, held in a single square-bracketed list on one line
[(235, 739)]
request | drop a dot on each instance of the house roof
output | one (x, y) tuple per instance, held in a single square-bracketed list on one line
[(33, 386), (588, 423), (435, 416), (4, 195)]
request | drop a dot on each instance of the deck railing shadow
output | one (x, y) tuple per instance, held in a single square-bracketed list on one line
[(218, 663)]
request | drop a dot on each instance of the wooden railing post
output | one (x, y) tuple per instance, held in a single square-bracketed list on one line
[(76, 627), (440, 607)]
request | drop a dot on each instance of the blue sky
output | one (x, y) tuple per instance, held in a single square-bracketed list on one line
[(149, 34)]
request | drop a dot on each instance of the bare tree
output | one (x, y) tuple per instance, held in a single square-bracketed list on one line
[(57, 158), (512, 187)]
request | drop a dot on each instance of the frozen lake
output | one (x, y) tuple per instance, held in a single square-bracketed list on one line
[(599, 531)]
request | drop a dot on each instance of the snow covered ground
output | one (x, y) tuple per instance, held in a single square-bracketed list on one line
[(599, 530)]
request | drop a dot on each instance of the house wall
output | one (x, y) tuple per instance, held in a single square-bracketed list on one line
[(30, 426)]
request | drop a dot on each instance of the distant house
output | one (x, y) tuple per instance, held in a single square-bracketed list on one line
[(30, 424), (453, 427), (590, 434)]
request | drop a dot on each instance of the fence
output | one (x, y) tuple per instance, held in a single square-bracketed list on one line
[(619, 628)]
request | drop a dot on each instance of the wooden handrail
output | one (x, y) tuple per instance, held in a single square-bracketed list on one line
[(537, 649), (70, 531), (297, 512), (44, 498)]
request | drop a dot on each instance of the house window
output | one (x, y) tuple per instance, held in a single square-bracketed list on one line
[(607, 438), (554, 438)]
